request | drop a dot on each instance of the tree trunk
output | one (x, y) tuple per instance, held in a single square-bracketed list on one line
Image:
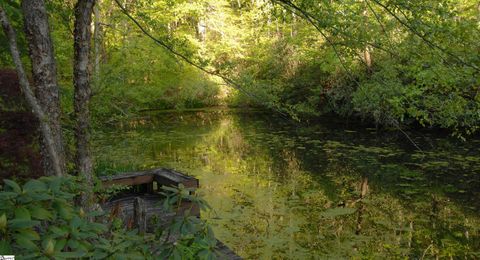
[(294, 25), (201, 30), (81, 81), (44, 120), (44, 72), (478, 11), (367, 55), (97, 41), (361, 208)]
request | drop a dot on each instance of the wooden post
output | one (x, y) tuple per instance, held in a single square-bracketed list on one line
[(140, 214)]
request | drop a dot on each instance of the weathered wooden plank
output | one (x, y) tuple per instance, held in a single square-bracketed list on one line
[(170, 177), (126, 175), (225, 252), (161, 176), (129, 180), (129, 210)]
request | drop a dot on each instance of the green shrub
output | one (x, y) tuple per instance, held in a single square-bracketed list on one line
[(39, 220)]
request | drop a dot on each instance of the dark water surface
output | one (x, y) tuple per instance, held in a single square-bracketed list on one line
[(282, 191)]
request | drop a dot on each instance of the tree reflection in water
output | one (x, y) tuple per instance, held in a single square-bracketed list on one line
[(279, 191)]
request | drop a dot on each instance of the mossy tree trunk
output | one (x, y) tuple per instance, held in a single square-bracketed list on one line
[(82, 94), (44, 72), (53, 157)]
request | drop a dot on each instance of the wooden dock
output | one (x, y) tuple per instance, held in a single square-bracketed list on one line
[(140, 206)]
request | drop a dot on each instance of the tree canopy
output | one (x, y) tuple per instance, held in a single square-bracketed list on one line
[(391, 62)]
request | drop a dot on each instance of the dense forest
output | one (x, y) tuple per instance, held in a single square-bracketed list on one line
[(394, 62), (73, 70)]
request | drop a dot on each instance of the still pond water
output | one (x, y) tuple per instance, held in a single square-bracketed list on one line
[(333, 190)]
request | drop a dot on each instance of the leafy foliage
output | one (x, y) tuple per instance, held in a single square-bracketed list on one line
[(388, 62), (38, 220)]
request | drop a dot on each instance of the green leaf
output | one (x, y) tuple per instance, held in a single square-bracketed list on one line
[(63, 209), (99, 255), (55, 184), (35, 186), (97, 227), (60, 232), (76, 222), (13, 185), (75, 254), (5, 248), (73, 243), (3, 221), (40, 213), (41, 196), (6, 195), (29, 234), (49, 247), (22, 213), (335, 212), (60, 244), (25, 242), (22, 223)]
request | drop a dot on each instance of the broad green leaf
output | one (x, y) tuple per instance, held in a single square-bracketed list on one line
[(13, 185), (3, 221), (75, 254), (25, 242), (97, 227), (63, 209), (55, 184), (73, 243), (49, 247), (99, 255), (75, 222), (29, 234), (22, 213), (60, 244), (58, 231), (35, 186), (22, 223), (41, 196), (5, 248), (40, 213), (5, 195)]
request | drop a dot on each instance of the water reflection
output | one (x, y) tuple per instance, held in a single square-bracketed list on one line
[(329, 191)]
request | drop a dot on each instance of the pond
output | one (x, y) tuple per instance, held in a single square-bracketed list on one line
[(332, 190)]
